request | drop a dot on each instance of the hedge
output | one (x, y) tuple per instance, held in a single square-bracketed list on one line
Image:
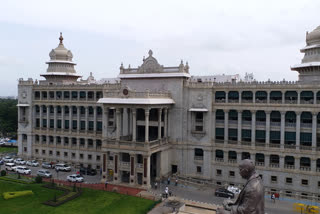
[(8, 195), (15, 180), (68, 195)]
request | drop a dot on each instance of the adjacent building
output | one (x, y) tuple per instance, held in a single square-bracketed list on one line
[(153, 121)]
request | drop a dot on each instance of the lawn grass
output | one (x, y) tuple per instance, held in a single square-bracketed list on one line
[(90, 202), (8, 149)]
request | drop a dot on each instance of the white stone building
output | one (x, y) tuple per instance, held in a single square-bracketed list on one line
[(153, 121)]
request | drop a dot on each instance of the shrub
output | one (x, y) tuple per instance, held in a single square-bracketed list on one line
[(38, 179), (3, 172), (74, 188), (8, 195), (19, 176)]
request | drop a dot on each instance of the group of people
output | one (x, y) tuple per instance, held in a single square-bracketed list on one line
[(167, 193)]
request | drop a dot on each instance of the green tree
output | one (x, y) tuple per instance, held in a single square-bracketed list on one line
[(8, 117)]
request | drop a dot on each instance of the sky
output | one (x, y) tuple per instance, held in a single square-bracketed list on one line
[(214, 36)]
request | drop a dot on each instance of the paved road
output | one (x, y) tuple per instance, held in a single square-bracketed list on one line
[(207, 195)]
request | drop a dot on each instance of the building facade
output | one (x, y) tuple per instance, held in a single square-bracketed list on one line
[(154, 120)]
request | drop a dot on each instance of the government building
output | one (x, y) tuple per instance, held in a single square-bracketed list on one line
[(153, 121)]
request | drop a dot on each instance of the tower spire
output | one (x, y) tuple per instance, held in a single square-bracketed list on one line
[(61, 38)]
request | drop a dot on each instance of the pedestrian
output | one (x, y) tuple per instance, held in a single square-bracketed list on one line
[(168, 180), (273, 198), (106, 185), (156, 185), (166, 191), (176, 184)]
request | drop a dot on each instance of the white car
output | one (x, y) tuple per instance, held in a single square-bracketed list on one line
[(8, 159), (23, 170), (10, 166), (63, 167), (20, 161), (44, 173), (75, 178), (32, 163)]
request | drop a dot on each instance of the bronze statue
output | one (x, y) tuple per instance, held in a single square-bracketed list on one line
[(251, 198)]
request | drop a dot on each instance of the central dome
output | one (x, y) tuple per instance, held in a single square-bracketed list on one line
[(313, 37), (60, 52)]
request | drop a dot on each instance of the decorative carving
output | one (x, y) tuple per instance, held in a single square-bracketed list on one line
[(150, 65)]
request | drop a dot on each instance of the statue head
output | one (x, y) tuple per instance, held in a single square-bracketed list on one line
[(246, 168)]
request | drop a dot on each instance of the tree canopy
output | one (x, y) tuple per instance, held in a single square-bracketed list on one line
[(8, 117)]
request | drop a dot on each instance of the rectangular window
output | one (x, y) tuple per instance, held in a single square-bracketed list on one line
[(37, 123), (90, 125), (304, 182), (98, 157), (59, 124), (51, 123), (74, 124), (89, 157), (66, 154), (73, 155), (50, 152), (198, 169), (219, 172), (82, 125), (318, 184), (99, 126), (198, 121), (66, 124), (44, 123), (43, 152), (37, 151), (58, 153), (81, 156), (289, 180), (231, 173), (273, 178)]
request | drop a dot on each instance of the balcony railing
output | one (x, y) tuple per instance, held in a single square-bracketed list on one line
[(306, 125), (198, 158), (305, 168), (259, 163), (219, 159), (274, 165), (302, 147), (288, 166)]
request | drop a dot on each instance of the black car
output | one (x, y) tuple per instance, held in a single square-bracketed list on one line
[(87, 171), (224, 193)]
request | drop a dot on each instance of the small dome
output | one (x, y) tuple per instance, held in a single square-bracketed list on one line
[(313, 37), (60, 52)]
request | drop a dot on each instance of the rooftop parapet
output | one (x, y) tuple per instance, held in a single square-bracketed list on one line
[(125, 93)]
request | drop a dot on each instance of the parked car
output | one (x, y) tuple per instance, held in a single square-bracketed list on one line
[(47, 165), (1, 162), (87, 171), (8, 159), (23, 170), (20, 161), (63, 167), (220, 192), (32, 163), (75, 178), (44, 173), (10, 166)]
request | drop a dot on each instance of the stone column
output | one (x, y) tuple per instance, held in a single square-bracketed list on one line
[(226, 125), (283, 96), (298, 101), (116, 178), (118, 112), (296, 162), (147, 113), (62, 117), (87, 118), (146, 171), (128, 122), (78, 119), (281, 161), (105, 118), (70, 118), (268, 127), (314, 130), (134, 124), (227, 96), (40, 116), (315, 97), (313, 164), (48, 117), (268, 97), (132, 169), (254, 96), (282, 129), (94, 118), (298, 130), (240, 97), (239, 126), (213, 131), (165, 123), (55, 117), (253, 127), (159, 123), (267, 160)]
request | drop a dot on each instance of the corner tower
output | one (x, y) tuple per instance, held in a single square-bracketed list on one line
[(61, 67), (309, 69)]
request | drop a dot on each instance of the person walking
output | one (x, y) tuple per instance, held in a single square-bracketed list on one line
[(273, 198), (176, 184), (168, 180), (166, 191)]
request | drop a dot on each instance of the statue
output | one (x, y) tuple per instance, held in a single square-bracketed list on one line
[(251, 198)]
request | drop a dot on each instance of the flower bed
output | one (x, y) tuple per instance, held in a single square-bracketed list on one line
[(14, 178), (8, 195)]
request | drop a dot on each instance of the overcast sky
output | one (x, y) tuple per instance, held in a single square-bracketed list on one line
[(214, 36)]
